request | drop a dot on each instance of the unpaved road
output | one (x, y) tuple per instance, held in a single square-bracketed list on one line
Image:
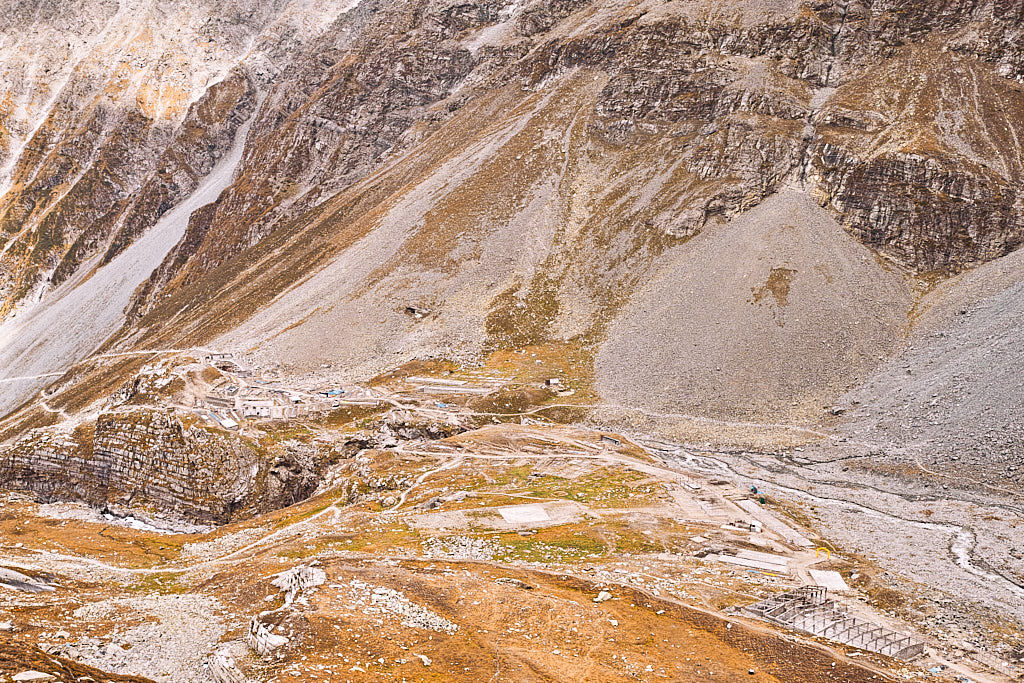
[(888, 525)]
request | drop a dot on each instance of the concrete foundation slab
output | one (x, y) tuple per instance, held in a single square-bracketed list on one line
[(524, 514)]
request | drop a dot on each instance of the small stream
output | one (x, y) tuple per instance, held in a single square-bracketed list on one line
[(962, 541)]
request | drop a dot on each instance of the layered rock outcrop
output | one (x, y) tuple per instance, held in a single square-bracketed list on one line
[(150, 459)]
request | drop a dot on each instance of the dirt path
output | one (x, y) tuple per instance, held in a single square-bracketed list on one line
[(234, 555), (806, 431), (451, 464), (849, 497), (288, 532)]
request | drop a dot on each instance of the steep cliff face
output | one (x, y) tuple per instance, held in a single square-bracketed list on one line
[(746, 94), (340, 106), (591, 138), (148, 459), (108, 119), (928, 169)]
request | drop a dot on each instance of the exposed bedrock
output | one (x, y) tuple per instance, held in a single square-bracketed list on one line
[(150, 459), (747, 88), (110, 122), (739, 82), (147, 459)]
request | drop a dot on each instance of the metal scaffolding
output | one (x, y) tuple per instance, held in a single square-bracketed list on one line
[(808, 609)]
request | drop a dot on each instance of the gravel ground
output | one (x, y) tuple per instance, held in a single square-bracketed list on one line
[(180, 632), (954, 401), (770, 316), (955, 551)]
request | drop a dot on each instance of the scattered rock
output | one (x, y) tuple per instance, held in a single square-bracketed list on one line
[(413, 615), (223, 669), (33, 676), (261, 640), (298, 579)]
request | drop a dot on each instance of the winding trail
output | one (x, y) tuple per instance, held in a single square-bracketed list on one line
[(961, 546), (451, 464), (807, 431), (676, 461), (672, 462)]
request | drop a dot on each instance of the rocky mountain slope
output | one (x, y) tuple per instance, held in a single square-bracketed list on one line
[(502, 165), (801, 311), (951, 401), (776, 242)]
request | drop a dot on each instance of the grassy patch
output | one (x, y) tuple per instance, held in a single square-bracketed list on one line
[(275, 434), (355, 416), (602, 489), (164, 583), (566, 543), (301, 515), (571, 362)]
